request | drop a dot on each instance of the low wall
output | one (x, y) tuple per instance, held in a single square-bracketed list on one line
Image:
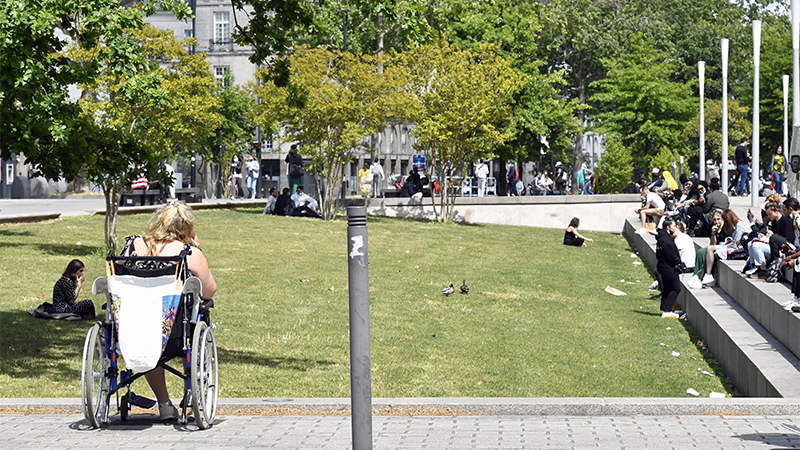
[(603, 213)]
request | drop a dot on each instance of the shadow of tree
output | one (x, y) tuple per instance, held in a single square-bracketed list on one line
[(68, 250), (229, 356), (37, 348)]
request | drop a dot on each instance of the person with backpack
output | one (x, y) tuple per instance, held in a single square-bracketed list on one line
[(295, 172), (561, 178)]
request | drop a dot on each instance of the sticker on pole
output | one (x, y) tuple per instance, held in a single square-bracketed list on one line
[(356, 249)]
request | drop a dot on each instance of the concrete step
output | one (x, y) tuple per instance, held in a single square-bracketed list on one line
[(759, 363)]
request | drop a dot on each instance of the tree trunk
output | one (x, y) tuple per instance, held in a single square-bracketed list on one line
[(111, 192)]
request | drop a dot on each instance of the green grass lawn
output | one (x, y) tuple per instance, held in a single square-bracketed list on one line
[(536, 322)]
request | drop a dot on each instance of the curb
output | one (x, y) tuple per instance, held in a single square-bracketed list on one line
[(590, 406)]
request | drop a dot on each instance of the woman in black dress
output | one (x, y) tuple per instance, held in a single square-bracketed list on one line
[(67, 289), (572, 237)]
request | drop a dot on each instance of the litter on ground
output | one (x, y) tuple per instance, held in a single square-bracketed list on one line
[(615, 291)]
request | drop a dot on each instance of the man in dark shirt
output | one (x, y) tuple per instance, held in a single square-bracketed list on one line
[(742, 163), (512, 179), (765, 248), (283, 204)]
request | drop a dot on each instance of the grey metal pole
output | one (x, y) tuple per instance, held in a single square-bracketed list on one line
[(360, 364), (725, 146), (755, 150)]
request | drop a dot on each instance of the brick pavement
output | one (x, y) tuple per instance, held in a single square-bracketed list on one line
[(403, 432)]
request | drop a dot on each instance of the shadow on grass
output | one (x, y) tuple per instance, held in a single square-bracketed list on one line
[(37, 348), (646, 313), (11, 232), (67, 250), (229, 356)]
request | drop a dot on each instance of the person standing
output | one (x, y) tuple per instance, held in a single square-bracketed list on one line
[(742, 164), (253, 171), (294, 168), (482, 174), (512, 179), (365, 179), (668, 258), (581, 180), (236, 176), (588, 179), (778, 168), (377, 178)]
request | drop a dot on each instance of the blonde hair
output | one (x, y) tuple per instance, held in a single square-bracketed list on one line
[(171, 222)]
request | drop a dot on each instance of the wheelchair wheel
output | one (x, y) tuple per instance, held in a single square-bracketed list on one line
[(205, 376), (94, 383)]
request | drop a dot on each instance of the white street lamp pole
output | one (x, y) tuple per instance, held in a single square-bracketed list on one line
[(754, 183), (725, 114), (701, 70)]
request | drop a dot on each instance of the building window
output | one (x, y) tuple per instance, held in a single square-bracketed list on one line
[(268, 144), (222, 27), (187, 34), (219, 74)]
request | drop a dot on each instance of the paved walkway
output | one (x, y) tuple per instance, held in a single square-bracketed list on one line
[(423, 432), (507, 423)]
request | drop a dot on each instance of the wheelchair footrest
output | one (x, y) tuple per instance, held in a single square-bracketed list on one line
[(142, 402)]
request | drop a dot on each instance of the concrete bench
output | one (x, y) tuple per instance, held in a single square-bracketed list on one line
[(741, 322), (140, 197)]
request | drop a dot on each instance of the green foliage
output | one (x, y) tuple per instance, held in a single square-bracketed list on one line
[(663, 159), (462, 105), (139, 118), (519, 333), (639, 104), (515, 27), (615, 169), (739, 125), (345, 99)]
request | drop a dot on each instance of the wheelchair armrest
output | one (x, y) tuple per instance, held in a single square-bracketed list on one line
[(100, 286), (192, 285)]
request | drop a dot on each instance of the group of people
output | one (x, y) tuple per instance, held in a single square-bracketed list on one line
[(693, 204), (253, 169), (298, 204), (371, 179)]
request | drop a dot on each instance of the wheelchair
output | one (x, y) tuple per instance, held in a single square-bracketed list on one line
[(104, 373)]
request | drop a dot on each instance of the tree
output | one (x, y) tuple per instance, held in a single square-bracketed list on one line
[(135, 119), (236, 129), (344, 99), (739, 125), (614, 169), (639, 104), (539, 110), (38, 118), (463, 102)]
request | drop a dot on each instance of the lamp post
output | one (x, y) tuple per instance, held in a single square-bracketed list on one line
[(754, 183), (725, 114), (701, 71)]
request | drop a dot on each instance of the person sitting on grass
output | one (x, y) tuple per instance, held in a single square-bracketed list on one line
[(67, 289), (304, 205), (572, 237), (652, 205)]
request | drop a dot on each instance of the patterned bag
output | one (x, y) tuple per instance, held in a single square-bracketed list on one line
[(773, 273)]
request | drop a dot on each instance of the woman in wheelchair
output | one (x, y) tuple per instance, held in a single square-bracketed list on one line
[(171, 229)]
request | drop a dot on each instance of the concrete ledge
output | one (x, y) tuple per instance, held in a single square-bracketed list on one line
[(30, 218), (759, 364), (597, 212), (589, 406)]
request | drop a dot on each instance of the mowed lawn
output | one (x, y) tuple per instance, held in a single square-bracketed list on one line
[(536, 321)]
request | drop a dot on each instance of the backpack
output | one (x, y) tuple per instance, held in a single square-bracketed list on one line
[(296, 171)]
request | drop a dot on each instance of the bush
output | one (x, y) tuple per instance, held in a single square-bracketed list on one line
[(615, 168)]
